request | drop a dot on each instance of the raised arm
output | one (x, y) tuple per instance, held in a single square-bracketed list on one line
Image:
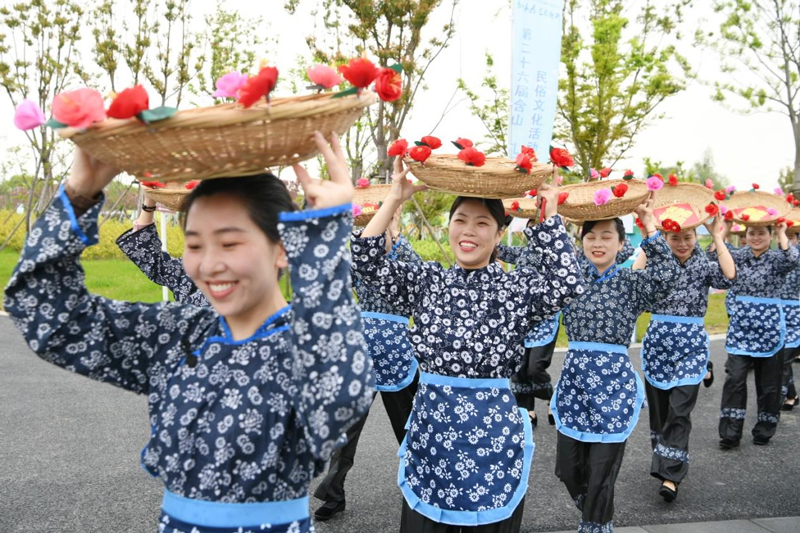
[(724, 266), (788, 256)]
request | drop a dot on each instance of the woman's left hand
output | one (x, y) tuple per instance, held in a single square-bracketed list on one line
[(645, 213), (714, 228), (338, 190), (549, 194)]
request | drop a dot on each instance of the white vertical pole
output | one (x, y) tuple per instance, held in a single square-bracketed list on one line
[(164, 233)]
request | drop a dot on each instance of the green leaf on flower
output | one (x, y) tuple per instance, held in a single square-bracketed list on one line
[(54, 124), (154, 115), (397, 67), (346, 92), (457, 145)]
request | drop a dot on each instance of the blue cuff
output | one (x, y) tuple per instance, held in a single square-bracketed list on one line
[(62, 194), (651, 239), (295, 216)]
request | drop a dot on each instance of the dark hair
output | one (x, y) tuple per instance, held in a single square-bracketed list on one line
[(263, 195), (769, 229), (590, 224), (496, 210)]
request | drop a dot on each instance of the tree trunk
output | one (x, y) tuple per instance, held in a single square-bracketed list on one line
[(796, 183)]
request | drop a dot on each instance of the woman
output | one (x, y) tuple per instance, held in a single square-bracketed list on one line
[(598, 397), (466, 456), (756, 334), (790, 299), (142, 245), (248, 399), (675, 352)]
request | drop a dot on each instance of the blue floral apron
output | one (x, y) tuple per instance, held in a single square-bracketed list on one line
[(757, 327), (675, 351), (599, 395), (467, 455), (791, 312), (393, 358), (542, 333), (185, 515)]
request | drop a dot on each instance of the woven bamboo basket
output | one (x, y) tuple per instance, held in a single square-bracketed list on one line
[(171, 196), (527, 207), (738, 230), (220, 141), (685, 203), (794, 216), (497, 178), (755, 204), (580, 204), (370, 199)]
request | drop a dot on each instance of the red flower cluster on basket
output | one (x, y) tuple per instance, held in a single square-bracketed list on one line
[(129, 103), (729, 215), (789, 223), (673, 180), (362, 183), (431, 142), (153, 184), (605, 172), (398, 148), (745, 217), (462, 143), (515, 206), (780, 220), (561, 158), (562, 197), (531, 193), (191, 185), (628, 175), (756, 186), (258, 86), (619, 190), (712, 209), (472, 157), (361, 72), (670, 225), (420, 153), (790, 198), (720, 195), (639, 224), (525, 159)]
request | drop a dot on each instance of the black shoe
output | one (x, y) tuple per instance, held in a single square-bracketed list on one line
[(551, 419), (709, 380), (789, 406), (760, 441), (668, 494), (534, 419), (328, 510), (727, 444)]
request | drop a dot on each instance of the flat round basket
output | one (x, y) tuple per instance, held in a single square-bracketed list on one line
[(794, 216), (370, 199), (580, 203), (738, 230), (171, 196), (497, 178), (527, 207), (755, 205), (685, 203), (220, 141)]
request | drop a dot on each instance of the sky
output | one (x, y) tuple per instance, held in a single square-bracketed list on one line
[(746, 148)]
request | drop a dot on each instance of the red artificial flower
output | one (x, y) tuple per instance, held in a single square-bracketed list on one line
[(719, 195), (524, 163), (129, 103), (147, 175), (420, 153), (659, 176), (527, 150), (532, 192), (399, 147), (673, 180), (389, 85), (360, 72), (670, 225), (712, 209), (562, 197), (628, 175), (796, 203), (191, 185), (789, 223), (745, 217), (258, 86), (472, 157), (619, 190), (639, 224), (729, 215), (780, 220), (462, 143), (153, 184), (755, 186), (790, 198), (515, 206), (432, 142), (604, 173), (560, 157)]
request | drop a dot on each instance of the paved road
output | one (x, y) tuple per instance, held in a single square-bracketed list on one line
[(69, 451)]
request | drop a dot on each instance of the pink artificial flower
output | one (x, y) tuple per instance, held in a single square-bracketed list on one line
[(356, 210), (654, 184), (362, 183), (593, 174), (28, 115), (736, 227), (723, 209), (80, 108), (709, 184), (772, 212), (228, 85), (730, 190), (602, 196), (778, 191), (323, 76)]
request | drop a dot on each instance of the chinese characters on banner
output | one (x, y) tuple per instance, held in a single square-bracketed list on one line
[(536, 54)]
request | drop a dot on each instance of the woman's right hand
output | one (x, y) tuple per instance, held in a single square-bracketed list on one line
[(88, 176), (402, 189)]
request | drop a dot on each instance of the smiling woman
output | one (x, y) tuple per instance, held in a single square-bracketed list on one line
[(246, 404)]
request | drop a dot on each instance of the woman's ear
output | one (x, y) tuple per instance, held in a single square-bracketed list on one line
[(281, 259)]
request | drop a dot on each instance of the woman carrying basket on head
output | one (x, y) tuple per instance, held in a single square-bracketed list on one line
[(599, 395), (675, 351), (247, 400), (466, 456)]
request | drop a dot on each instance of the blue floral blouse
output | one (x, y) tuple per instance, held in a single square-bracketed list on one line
[(790, 290), (369, 296), (143, 248), (471, 323), (763, 276), (232, 420)]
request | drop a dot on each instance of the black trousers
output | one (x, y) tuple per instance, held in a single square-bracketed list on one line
[(398, 407), (670, 424), (532, 380), (768, 375), (413, 522), (787, 385), (589, 471)]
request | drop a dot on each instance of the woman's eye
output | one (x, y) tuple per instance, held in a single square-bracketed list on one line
[(229, 245)]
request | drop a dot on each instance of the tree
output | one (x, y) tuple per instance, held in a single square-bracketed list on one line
[(760, 38), (393, 32), (492, 111), (786, 179), (704, 170), (616, 74)]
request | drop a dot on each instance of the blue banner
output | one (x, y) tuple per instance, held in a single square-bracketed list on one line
[(535, 56)]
